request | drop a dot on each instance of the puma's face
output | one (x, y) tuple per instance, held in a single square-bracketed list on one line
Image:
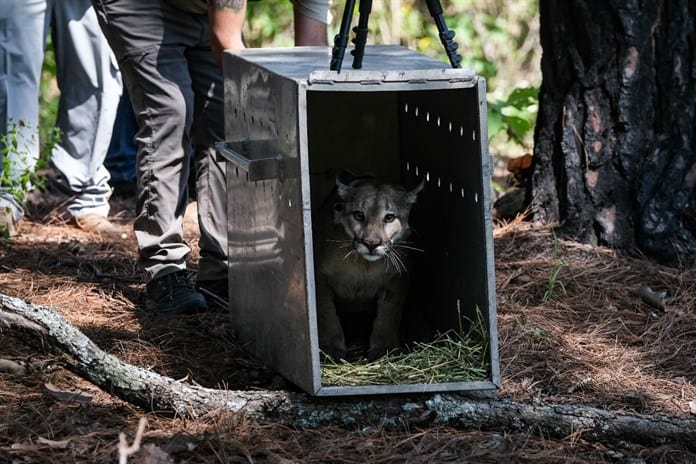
[(374, 223), (374, 216)]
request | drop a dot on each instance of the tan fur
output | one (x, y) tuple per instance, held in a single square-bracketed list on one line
[(360, 260)]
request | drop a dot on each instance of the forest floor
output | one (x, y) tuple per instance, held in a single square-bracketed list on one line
[(572, 330)]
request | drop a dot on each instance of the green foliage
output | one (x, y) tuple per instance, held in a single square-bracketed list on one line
[(18, 173), (17, 165), (514, 115), (554, 283), (15, 178), (269, 24), (49, 97)]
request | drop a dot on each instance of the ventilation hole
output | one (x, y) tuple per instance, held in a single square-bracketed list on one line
[(405, 107), (438, 182), (476, 197), (427, 176), (438, 121), (473, 134), (408, 166), (462, 192), (449, 126), (289, 203), (416, 112), (427, 116), (451, 187), (461, 131), (416, 170)]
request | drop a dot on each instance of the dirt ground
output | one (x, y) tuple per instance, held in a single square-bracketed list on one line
[(572, 329)]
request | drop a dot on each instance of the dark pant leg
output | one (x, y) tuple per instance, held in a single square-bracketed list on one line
[(208, 127), (120, 158), (152, 42)]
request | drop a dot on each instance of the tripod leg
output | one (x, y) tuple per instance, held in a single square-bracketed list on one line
[(360, 30), (446, 35), (341, 39)]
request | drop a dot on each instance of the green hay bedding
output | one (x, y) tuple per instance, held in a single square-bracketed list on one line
[(450, 357)]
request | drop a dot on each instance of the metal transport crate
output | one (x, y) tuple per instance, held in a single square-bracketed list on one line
[(291, 125)]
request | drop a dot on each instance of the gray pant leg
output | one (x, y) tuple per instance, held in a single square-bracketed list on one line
[(90, 86), (164, 153), (210, 174), (168, 68), (21, 57)]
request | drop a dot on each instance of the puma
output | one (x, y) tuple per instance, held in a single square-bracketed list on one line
[(362, 257)]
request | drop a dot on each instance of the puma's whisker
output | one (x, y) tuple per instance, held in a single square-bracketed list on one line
[(396, 259), (408, 247)]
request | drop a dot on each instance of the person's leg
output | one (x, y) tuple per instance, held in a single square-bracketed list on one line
[(210, 174), (21, 58), (310, 18), (90, 87), (147, 37), (120, 158)]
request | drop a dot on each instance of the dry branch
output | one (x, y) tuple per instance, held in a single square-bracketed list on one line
[(46, 329)]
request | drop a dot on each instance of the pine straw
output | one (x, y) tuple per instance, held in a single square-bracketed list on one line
[(588, 341), (593, 340)]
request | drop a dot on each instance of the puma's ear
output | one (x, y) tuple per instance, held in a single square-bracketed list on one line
[(343, 189), (412, 195), (344, 179)]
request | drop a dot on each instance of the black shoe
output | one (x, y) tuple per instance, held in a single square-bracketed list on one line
[(216, 292), (174, 294)]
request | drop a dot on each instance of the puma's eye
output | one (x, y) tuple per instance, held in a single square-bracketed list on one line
[(389, 217), (359, 216)]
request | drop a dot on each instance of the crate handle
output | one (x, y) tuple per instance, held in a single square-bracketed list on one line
[(254, 157)]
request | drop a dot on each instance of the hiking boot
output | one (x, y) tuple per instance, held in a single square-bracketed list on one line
[(216, 292), (174, 294), (101, 225)]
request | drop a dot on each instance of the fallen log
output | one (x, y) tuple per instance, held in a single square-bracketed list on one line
[(45, 329)]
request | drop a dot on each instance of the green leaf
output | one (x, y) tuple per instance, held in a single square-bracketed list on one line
[(495, 123)]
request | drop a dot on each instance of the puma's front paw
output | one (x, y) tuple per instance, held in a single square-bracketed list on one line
[(376, 352), (333, 353)]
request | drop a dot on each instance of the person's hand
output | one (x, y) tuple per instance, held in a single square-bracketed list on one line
[(226, 26)]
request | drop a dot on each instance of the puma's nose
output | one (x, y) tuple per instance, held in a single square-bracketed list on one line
[(371, 243)]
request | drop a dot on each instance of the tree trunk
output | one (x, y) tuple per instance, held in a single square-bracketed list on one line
[(615, 140), (46, 329)]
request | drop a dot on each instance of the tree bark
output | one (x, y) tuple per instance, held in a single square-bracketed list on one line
[(46, 329), (615, 159)]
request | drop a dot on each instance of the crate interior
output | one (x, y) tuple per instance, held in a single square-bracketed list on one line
[(405, 136)]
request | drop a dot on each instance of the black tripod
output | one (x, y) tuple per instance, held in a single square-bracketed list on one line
[(341, 39)]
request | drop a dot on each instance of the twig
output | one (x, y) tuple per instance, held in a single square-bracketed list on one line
[(124, 450)]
